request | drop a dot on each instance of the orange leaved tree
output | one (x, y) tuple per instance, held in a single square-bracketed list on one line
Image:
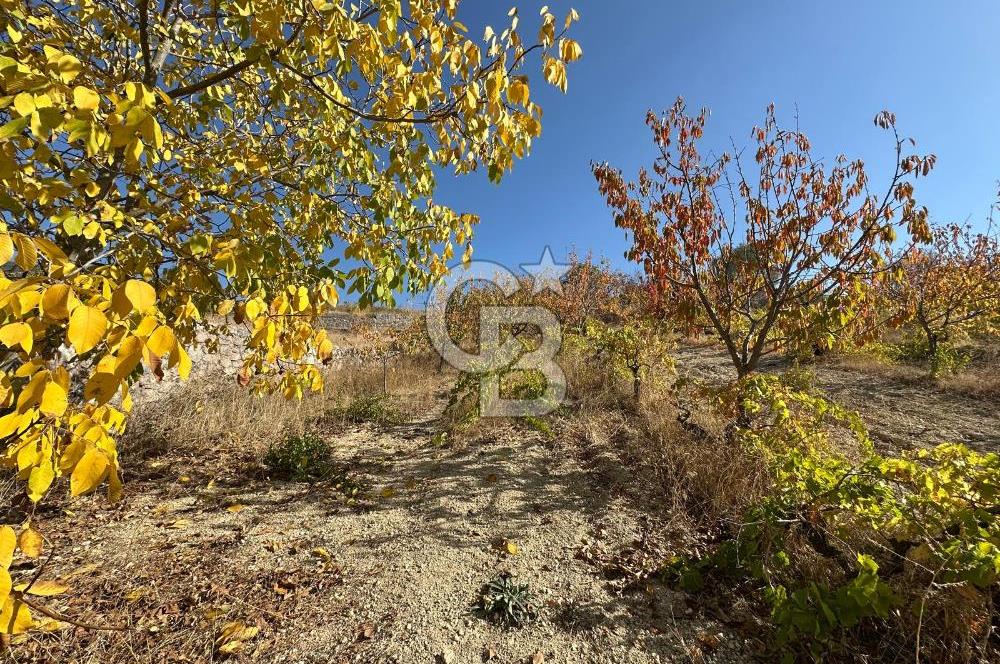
[(953, 285), (766, 248)]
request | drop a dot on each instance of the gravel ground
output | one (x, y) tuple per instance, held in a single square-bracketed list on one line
[(901, 412), (390, 579)]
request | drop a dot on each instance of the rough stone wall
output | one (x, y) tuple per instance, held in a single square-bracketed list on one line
[(228, 359)]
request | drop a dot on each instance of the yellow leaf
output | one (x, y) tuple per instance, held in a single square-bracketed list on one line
[(6, 248), (5, 586), (40, 480), (235, 507), (322, 553), (89, 472), (8, 542), (27, 253), (512, 548), (68, 67), (183, 363), (24, 103), (128, 356), (85, 98), (56, 300), (388, 492), (15, 618), (17, 334), (87, 327), (114, 486), (162, 341), (54, 399), (44, 588), (30, 542), (518, 93), (569, 50), (101, 386), (140, 294)]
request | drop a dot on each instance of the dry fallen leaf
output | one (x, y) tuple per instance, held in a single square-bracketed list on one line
[(538, 658), (43, 588), (512, 547), (322, 553), (235, 507), (388, 492), (232, 636)]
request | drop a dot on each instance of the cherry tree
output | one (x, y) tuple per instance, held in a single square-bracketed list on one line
[(762, 248)]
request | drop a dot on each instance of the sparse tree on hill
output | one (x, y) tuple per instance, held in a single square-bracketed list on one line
[(817, 234)]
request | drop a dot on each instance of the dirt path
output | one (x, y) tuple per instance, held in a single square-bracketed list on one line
[(390, 579), (899, 412)]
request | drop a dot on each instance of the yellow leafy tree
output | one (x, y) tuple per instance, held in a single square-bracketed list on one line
[(172, 164)]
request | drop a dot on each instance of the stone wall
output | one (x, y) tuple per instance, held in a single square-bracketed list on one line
[(228, 359)]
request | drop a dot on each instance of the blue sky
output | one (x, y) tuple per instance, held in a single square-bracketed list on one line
[(935, 64)]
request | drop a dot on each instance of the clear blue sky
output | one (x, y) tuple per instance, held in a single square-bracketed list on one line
[(935, 64)]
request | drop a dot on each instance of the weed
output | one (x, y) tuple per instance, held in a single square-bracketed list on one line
[(507, 602), (299, 458), (370, 407)]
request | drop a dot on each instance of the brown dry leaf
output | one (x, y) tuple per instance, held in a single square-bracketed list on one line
[(492, 477), (708, 640), (366, 632), (232, 637), (538, 658)]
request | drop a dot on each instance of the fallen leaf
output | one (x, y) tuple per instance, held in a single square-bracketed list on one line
[(322, 553), (512, 547), (538, 658), (235, 507), (43, 588), (388, 492)]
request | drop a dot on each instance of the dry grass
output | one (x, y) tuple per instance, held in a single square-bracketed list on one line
[(981, 379), (209, 412), (691, 473)]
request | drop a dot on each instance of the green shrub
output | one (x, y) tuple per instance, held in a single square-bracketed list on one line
[(948, 361), (507, 602), (299, 458), (841, 546), (370, 407)]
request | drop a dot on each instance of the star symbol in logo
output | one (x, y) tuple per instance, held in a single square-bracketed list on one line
[(546, 273)]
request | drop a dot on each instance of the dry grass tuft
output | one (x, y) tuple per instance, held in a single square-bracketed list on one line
[(213, 412)]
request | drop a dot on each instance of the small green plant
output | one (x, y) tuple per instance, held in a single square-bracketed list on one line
[(299, 458), (370, 407), (948, 361), (507, 602)]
